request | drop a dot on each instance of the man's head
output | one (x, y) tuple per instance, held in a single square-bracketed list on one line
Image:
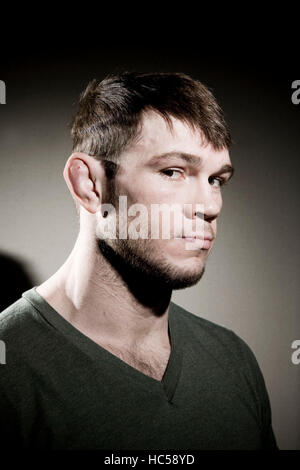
[(155, 139)]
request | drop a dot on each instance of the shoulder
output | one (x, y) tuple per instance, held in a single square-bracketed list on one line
[(15, 318), (203, 329), (25, 336), (221, 342)]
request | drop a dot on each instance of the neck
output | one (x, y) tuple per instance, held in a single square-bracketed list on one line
[(104, 298)]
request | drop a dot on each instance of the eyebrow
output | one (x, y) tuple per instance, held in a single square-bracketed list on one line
[(194, 160)]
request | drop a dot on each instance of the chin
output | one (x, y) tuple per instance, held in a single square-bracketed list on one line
[(184, 280), (178, 274), (184, 284)]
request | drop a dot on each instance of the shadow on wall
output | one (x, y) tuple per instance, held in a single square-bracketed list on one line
[(14, 280)]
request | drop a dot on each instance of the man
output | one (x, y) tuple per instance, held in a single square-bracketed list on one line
[(97, 355)]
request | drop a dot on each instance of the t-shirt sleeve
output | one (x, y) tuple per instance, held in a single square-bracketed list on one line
[(256, 381)]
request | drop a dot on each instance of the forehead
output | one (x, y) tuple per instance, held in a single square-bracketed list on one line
[(156, 137)]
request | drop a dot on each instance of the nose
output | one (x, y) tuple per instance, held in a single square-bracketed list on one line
[(204, 201)]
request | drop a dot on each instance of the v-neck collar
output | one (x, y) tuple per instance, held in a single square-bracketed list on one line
[(167, 385)]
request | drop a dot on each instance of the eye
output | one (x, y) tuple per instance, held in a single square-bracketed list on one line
[(172, 173), (220, 181)]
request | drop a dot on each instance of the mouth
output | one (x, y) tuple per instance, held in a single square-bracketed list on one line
[(198, 242)]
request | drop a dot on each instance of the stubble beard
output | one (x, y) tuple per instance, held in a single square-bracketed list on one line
[(141, 258)]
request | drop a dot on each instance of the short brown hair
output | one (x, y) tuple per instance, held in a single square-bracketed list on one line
[(109, 112)]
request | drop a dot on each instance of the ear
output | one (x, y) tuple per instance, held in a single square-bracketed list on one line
[(84, 176)]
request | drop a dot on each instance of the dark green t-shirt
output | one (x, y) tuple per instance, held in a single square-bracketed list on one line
[(60, 390)]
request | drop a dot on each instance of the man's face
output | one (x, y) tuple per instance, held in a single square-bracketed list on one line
[(170, 166)]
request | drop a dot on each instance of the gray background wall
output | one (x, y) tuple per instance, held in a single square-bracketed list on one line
[(251, 279)]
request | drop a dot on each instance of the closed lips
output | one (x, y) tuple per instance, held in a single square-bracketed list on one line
[(206, 237)]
